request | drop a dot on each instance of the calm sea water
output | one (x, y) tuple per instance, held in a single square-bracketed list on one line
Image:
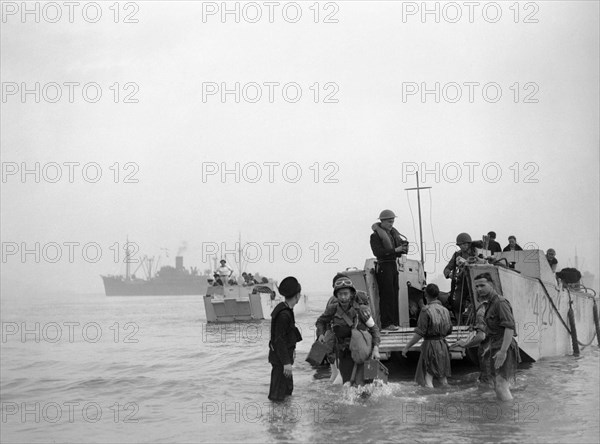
[(149, 369)]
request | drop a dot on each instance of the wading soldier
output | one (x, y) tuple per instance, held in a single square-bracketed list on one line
[(433, 326), (341, 316), (284, 335), (483, 350), (503, 355)]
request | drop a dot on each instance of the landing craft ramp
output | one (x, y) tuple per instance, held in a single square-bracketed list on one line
[(395, 341), (410, 276)]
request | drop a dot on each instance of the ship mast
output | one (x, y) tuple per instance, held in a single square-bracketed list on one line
[(150, 261), (239, 252), (127, 259), (418, 188)]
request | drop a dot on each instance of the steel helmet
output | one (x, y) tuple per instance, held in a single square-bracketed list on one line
[(462, 238), (343, 282), (387, 214), (336, 277)]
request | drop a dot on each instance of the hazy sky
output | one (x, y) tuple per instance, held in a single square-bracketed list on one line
[(524, 162)]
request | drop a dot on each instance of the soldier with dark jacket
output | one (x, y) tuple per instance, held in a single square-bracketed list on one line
[(387, 244), (341, 316), (512, 245), (284, 336), (493, 246)]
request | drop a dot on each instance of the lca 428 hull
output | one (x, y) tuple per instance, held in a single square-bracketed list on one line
[(540, 307)]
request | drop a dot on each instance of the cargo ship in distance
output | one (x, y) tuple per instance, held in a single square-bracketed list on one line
[(168, 281)]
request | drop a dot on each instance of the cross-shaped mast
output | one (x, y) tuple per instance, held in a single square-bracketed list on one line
[(418, 188)]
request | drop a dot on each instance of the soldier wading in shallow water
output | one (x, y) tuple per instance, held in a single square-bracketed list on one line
[(284, 336), (500, 337), (433, 326)]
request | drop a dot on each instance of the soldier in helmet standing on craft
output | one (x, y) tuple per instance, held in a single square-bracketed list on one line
[(387, 244), (454, 270)]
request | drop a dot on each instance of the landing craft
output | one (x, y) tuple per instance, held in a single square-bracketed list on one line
[(552, 317), (540, 303), (234, 303), (246, 302)]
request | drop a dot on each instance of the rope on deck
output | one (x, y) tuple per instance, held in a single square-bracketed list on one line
[(573, 332), (596, 323)]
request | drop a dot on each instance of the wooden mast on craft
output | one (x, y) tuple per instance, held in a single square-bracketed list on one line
[(418, 188)]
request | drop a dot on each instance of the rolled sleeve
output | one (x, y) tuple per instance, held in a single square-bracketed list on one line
[(480, 319), (505, 315), (422, 323)]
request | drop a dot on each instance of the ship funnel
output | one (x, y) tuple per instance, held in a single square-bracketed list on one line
[(179, 263)]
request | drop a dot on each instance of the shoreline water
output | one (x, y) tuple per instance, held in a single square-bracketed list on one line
[(150, 369)]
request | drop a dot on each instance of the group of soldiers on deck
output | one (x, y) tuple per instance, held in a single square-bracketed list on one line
[(224, 276)]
